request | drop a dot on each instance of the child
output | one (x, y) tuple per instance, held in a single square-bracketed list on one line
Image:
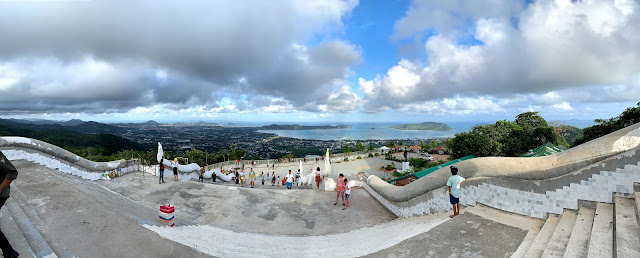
[(347, 192), (273, 178), (262, 176), (453, 184)]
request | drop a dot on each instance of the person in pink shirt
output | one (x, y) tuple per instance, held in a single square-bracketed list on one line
[(340, 189)]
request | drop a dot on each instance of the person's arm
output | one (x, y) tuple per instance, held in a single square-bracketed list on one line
[(5, 183), (449, 189)]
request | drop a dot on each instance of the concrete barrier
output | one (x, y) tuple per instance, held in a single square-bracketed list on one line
[(521, 177)]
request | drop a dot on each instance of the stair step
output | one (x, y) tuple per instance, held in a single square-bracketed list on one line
[(627, 231), (601, 241), (13, 234), (542, 239), (37, 243), (560, 238), (579, 240)]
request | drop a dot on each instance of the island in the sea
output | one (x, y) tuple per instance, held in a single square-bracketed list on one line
[(302, 127), (426, 126)]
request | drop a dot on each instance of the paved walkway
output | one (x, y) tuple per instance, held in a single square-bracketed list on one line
[(80, 216)]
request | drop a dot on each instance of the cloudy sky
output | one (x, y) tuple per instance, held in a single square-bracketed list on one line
[(318, 60)]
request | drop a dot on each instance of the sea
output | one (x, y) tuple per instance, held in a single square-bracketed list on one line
[(372, 131), (377, 130)]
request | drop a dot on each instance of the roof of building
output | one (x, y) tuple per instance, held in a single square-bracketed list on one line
[(543, 150), (431, 169)]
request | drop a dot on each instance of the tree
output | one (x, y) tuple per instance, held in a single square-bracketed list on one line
[(346, 149), (370, 148), (505, 138), (602, 127), (424, 147), (390, 145), (359, 147)]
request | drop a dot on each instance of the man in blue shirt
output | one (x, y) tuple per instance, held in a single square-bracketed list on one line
[(453, 184)]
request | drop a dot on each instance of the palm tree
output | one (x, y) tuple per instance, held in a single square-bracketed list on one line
[(359, 147), (370, 148), (423, 147)]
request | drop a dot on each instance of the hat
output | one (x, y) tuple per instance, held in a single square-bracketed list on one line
[(176, 159)]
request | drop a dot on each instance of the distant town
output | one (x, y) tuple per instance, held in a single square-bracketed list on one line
[(213, 138), (181, 137)]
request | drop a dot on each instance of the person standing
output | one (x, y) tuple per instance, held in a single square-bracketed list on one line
[(201, 175), (175, 165), (161, 178), (347, 192), (340, 189), (262, 176), (298, 178), (242, 177), (289, 180), (273, 178), (453, 183), (318, 178), (8, 173), (252, 177)]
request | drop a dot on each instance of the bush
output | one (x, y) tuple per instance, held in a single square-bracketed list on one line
[(370, 155), (346, 159), (377, 154), (360, 157)]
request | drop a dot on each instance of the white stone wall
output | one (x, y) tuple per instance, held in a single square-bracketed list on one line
[(600, 188), (53, 163)]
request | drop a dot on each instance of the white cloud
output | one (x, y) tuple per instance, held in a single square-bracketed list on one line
[(564, 106), (78, 57), (547, 54)]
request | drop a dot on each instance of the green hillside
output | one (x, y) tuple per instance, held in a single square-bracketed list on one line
[(103, 144), (426, 126)]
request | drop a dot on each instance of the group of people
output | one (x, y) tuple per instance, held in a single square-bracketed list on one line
[(343, 189), (290, 179), (175, 166)]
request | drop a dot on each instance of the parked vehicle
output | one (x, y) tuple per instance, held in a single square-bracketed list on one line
[(426, 155)]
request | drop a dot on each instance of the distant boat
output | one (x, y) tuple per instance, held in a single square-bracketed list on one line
[(372, 128)]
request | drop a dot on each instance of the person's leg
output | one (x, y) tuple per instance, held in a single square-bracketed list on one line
[(457, 208), (453, 203), (160, 178), (342, 194), (346, 205), (347, 200), (337, 196), (7, 249)]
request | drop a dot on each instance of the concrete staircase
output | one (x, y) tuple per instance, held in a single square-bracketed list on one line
[(603, 230), (20, 230)]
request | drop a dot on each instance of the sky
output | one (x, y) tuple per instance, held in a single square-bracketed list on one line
[(318, 61)]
